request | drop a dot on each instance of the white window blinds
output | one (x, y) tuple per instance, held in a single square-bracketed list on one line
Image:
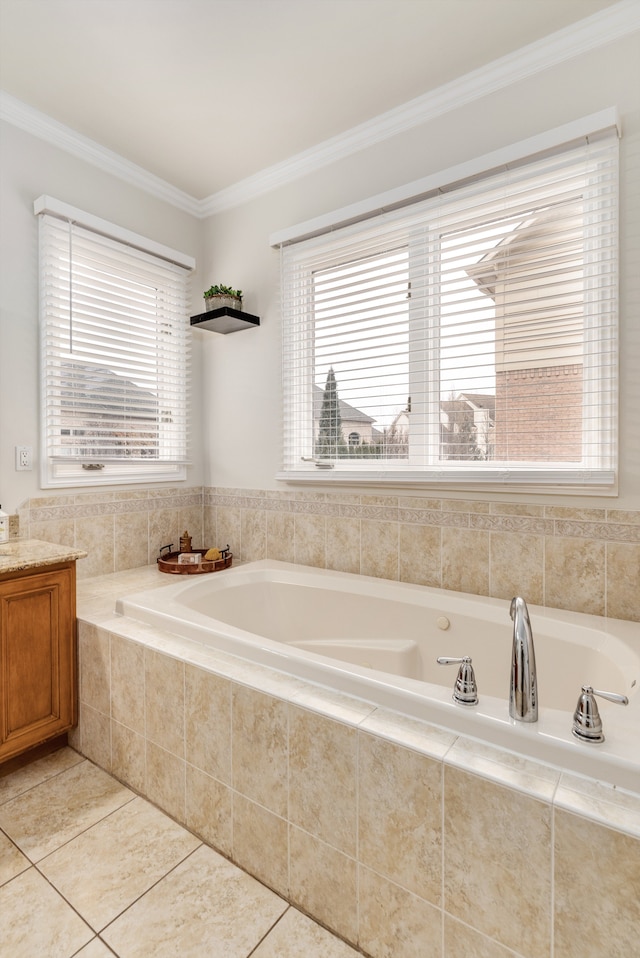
[(470, 336), (115, 352)]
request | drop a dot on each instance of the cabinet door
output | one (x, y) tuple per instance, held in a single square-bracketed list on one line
[(37, 658)]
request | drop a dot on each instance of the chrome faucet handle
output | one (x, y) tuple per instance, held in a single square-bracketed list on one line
[(587, 724), (465, 690)]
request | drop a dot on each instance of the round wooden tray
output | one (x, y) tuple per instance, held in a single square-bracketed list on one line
[(169, 563)]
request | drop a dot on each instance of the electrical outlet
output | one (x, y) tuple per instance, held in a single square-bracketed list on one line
[(24, 458)]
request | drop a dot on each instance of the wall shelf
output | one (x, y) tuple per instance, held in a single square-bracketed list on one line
[(225, 320)]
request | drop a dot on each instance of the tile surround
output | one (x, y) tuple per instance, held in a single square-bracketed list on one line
[(222, 752), (569, 557), (403, 839)]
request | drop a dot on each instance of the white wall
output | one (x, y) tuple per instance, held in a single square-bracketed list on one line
[(242, 371), (236, 378), (30, 168)]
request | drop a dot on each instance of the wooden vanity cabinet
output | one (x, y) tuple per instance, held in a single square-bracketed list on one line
[(38, 672)]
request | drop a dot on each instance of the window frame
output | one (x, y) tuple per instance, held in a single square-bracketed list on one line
[(579, 479), (56, 472)]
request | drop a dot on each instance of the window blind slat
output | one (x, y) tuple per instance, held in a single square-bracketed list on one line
[(470, 334), (115, 351)]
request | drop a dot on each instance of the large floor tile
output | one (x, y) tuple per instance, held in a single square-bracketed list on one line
[(12, 861), (95, 949), (47, 816), (37, 922), (108, 867), (22, 779), (296, 936), (206, 906)]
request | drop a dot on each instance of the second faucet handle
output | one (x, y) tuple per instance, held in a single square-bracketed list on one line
[(465, 691), (587, 724)]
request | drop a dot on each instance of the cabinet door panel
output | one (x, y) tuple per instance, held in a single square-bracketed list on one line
[(33, 662), (37, 658)]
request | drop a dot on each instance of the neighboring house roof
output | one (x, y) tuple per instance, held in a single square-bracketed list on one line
[(347, 413), (103, 391), (526, 239), (480, 401)]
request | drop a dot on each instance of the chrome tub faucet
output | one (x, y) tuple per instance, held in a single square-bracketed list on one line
[(523, 693)]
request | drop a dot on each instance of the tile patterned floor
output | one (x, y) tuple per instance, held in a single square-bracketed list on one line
[(90, 869)]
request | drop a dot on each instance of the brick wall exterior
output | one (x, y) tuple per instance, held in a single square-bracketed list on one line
[(539, 414)]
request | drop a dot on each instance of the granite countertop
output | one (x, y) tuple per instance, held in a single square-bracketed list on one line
[(19, 554)]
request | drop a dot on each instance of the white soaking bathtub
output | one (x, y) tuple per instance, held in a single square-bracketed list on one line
[(379, 640)]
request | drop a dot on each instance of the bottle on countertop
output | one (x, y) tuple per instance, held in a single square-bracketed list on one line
[(4, 526)]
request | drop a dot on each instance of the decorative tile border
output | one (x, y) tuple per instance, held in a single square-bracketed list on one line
[(585, 560), (561, 521)]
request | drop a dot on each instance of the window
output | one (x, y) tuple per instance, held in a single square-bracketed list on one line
[(474, 329), (115, 353)]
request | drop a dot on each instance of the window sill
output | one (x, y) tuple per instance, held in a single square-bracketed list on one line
[(513, 486)]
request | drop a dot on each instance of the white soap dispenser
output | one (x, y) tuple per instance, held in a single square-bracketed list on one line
[(4, 526)]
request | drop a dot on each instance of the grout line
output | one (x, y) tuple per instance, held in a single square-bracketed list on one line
[(268, 932)]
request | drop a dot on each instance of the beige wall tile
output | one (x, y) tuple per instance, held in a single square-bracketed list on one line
[(420, 554), (209, 809), (208, 722), (164, 529), (517, 566), (128, 756), (95, 736), (343, 544), (131, 540), (228, 529), (95, 667), (393, 923), (127, 683), (260, 748), (623, 580), (574, 574), (280, 536), (310, 540), (379, 549), (575, 512), (323, 882), (254, 534), (261, 844), (209, 533), (61, 531), (165, 781), (191, 522), (400, 815), (322, 778), (601, 917), (460, 941), (96, 536), (465, 560), (164, 701), (497, 845)]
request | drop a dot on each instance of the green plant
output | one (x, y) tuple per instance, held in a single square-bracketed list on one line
[(222, 290)]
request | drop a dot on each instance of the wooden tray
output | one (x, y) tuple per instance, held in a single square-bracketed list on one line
[(169, 563)]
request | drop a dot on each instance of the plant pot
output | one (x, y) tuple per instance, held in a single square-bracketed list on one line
[(220, 300)]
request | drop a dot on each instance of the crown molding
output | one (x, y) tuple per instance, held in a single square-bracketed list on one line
[(38, 124), (579, 38), (595, 31)]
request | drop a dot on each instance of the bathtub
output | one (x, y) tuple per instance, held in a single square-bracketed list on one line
[(379, 640)]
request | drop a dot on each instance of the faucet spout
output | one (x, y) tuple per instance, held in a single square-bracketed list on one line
[(523, 693)]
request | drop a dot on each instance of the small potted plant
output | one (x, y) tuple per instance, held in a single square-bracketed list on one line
[(217, 296)]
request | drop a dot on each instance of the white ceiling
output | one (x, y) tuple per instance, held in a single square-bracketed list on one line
[(205, 93)]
